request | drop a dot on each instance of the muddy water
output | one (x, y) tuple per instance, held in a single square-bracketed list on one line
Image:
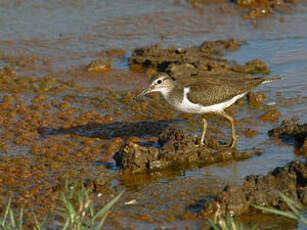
[(60, 38)]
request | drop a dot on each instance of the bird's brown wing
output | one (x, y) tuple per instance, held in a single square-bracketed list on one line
[(210, 91)]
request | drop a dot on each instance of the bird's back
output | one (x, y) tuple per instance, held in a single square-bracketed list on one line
[(208, 91)]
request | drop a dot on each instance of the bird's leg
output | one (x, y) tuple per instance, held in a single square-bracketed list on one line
[(203, 132), (233, 131)]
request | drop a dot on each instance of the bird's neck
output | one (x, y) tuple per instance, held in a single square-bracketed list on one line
[(173, 94), (167, 91)]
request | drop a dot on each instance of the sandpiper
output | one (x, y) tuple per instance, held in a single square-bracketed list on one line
[(203, 95)]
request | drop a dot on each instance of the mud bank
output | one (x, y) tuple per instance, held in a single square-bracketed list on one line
[(195, 61), (292, 132), (261, 190), (173, 148), (250, 9), (254, 8)]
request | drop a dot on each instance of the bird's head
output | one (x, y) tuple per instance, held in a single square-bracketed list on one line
[(160, 82)]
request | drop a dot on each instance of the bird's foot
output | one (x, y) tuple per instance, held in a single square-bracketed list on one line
[(217, 145), (233, 142), (213, 144), (220, 145), (201, 144)]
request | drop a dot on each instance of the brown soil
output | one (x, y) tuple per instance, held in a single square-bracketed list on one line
[(290, 180), (172, 148)]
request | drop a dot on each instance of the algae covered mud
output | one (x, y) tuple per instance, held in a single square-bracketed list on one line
[(69, 71)]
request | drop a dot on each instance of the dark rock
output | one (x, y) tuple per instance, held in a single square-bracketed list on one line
[(292, 132), (291, 180)]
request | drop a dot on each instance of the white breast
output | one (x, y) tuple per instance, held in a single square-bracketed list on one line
[(189, 107)]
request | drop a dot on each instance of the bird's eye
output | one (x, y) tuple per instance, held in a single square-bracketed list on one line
[(159, 81)]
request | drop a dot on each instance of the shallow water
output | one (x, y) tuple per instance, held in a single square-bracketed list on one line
[(65, 36)]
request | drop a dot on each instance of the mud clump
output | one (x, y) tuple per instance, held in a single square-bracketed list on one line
[(172, 148), (256, 99), (271, 115), (250, 132), (100, 66), (290, 180), (252, 67), (194, 62), (7, 71), (220, 46), (292, 132)]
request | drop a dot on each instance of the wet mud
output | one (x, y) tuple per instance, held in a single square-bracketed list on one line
[(290, 180), (173, 148), (293, 133)]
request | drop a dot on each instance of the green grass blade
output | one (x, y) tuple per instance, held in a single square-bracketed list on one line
[(290, 203), (20, 219), (71, 190), (295, 214), (8, 207), (69, 206), (108, 206), (45, 220), (63, 214), (230, 222), (214, 225), (66, 225), (277, 212), (12, 217), (100, 224), (38, 227), (91, 209)]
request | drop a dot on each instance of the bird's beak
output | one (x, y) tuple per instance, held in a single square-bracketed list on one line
[(144, 92), (147, 90)]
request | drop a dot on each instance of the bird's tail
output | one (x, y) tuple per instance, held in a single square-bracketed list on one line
[(271, 79)]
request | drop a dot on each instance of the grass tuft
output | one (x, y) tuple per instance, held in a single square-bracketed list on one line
[(230, 224), (77, 212)]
